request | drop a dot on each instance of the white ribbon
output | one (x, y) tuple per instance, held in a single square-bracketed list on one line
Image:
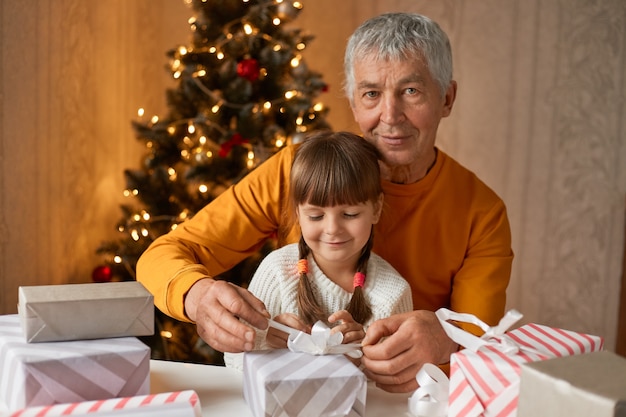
[(320, 342), (494, 336), (431, 398)]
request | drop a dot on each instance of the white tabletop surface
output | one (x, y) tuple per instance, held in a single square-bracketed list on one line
[(221, 394)]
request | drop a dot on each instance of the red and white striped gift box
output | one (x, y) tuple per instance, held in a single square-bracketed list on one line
[(168, 404), (484, 381)]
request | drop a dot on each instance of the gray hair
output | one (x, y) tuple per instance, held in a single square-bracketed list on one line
[(395, 36)]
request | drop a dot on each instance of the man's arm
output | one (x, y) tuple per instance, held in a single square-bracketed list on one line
[(179, 268)]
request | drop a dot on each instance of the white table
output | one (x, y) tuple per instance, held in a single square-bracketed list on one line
[(221, 394)]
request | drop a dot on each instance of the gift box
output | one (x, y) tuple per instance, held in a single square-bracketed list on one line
[(167, 404), (288, 384), (485, 376), (48, 373), (593, 384), (85, 311)]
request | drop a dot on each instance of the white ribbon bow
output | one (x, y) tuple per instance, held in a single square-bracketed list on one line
[(431, 398), (320, 342)]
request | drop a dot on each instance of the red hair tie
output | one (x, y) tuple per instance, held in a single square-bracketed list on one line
[(303, 266), (359, 279)]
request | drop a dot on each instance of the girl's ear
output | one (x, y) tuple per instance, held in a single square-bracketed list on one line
[(378, 208)]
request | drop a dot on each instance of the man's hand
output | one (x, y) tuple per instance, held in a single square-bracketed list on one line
[(410, 340), (216, 306)]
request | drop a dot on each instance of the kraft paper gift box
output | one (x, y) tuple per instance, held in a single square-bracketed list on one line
[(167, 404), (282, 383), (86, 311), (49, 373), (485, 376), (592, 384)]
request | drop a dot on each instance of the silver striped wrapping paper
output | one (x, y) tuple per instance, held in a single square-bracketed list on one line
[(281, 383), (49, 373)]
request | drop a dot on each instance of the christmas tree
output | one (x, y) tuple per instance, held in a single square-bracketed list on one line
[(242, 92)]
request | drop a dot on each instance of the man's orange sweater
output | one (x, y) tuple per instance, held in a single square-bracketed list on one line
[(447, 234)]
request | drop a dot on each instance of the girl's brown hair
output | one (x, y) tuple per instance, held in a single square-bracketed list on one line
[(334, 168)]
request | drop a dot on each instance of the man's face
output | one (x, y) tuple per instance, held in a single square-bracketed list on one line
[(398, 106)]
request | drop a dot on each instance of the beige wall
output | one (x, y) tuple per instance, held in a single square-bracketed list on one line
[(539, 116)]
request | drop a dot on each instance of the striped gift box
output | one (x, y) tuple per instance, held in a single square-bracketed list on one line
[(48, 373), (167, 404), (485, 382), (281, 383)]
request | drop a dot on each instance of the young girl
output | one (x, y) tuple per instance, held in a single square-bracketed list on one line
[(331, 274)]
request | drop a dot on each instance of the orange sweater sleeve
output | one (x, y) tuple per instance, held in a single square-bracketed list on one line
[(226, 231)]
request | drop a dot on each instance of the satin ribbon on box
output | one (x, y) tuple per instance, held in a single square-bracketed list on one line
[(431, 398), (320, 342)]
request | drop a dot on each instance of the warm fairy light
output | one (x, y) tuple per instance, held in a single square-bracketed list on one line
[(279, 142), (120, 228), (144, 232), (290, 94), (134, 234), (171, 130), (212, 49), (183, 214), (154, 119), (300, 46), (201, 73), (182, 50), (192, 19), (215, 108), (318, 107), (276, 21), (247, 28), (117, 259), (176, 64), (220, 55), (177, 75), (295, 61), (136, 217), (172, 174), (203, 188), (173, 227), (202, 140), (184, 153), (277, 48), (166, 334), (141, 112), (267, 105), (299, 120), (191, 128), (145, 215), (297, 5)]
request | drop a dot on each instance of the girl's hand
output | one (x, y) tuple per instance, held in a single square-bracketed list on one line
[(343, 322), (277, 339)]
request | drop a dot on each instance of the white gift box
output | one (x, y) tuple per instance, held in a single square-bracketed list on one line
[(592, 384), (35, 374), (281, 383), (85, 311), (167, 404)]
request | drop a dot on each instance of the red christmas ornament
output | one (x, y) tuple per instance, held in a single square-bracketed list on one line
[(236, 139), (249, 69), (325, 88), (102, 273)]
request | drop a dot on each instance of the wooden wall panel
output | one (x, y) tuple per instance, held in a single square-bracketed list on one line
[(539, 117)]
